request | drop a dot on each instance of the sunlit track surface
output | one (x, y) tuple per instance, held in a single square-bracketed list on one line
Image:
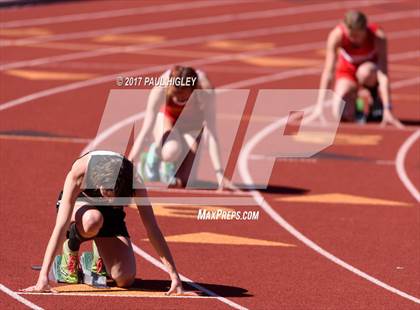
[(358, 200)]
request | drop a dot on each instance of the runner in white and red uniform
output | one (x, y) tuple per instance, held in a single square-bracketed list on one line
[(351, 56), (356, 56), (175, 117)]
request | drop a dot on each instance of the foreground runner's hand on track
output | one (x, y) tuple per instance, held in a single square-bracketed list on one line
[(42, 286), (389, 118), (177, 289)]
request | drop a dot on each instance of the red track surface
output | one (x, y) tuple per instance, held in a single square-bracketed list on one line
[(382, 241)]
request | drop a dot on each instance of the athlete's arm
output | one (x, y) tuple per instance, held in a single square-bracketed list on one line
[(331, 51), (158, 241), (155, 100), (382, 50), (213, 141), (383, 80), (71, 190)]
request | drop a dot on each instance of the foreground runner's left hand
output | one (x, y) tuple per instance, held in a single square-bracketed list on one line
[(177, 289)]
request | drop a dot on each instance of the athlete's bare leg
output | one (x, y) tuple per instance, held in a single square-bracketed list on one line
[(367, 74), (187, 173), (172, 147), (118, 256), (116, 252), (346, 90)]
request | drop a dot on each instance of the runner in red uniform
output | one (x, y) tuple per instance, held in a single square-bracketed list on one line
[(193, 105), (357, 52)]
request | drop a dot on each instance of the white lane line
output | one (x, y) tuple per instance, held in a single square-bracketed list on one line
[(102, 136), (405, 83), (154, 69), (194, 21), (400, 159), (245, 175), (159, 188), (111, 77), (19, 298), (200, 39), (105, 134), (118, 13), (259, 199), (118, 295), (158, 264), (406, 55)]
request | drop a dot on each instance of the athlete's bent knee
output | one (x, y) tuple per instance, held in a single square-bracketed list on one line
[(92, 221), (124, 280), (171, 150), (366, 74)]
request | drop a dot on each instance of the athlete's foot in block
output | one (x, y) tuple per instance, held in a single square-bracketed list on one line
[(98, 265), (151, 164), (167, 173), (65, 268)]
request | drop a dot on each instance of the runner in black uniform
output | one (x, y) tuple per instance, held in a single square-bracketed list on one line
[(91, 207)]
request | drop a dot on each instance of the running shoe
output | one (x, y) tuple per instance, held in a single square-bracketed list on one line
[(151, 164), (360, 113), (97, 263), (65, 267), (167, 173), (376, 109)]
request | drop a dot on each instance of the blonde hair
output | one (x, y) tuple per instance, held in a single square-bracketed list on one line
[(355, 20), (111, 173)]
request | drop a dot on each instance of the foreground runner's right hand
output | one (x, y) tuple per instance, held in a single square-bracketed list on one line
[(42, 286)]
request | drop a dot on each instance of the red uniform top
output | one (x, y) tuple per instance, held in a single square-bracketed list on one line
[(351, 56), (192, 113)]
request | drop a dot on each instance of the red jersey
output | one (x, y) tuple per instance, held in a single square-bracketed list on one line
[(193, 116), (352, 56), (192, 113), (358, 54)]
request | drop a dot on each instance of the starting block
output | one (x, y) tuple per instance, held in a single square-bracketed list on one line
[(90, 277)]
